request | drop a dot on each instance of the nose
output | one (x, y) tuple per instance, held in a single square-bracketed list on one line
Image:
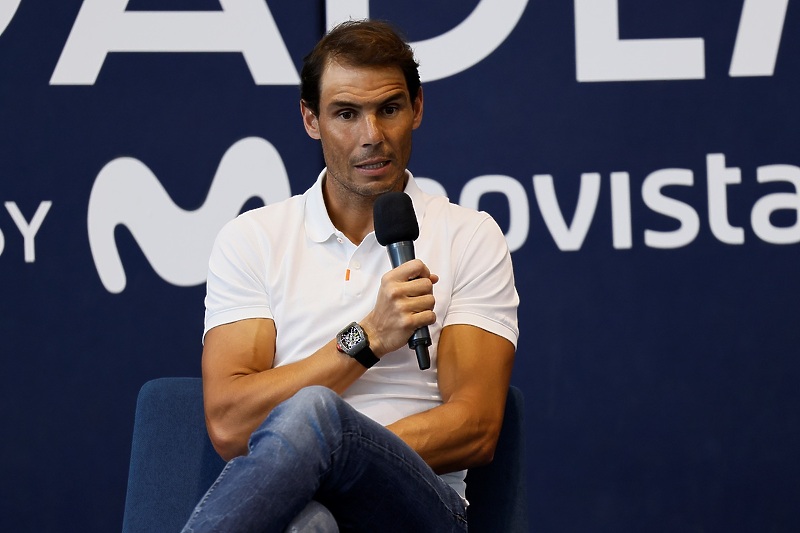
[(373, 130)]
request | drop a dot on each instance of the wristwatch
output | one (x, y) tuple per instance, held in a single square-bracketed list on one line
[(353, 341)]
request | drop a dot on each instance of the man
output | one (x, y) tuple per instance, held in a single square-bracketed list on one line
[(315, 431)]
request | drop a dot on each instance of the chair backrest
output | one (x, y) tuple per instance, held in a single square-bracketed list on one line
[(497, 492), (172, 460), (173, 464)]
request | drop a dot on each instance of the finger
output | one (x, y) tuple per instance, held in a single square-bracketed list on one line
[(423, 318), (412, 270), (418, 287)]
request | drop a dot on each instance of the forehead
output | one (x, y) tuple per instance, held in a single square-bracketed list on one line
[(344, 81)]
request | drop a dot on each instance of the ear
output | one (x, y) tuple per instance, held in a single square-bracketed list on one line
[(310, 121), (418, 109)]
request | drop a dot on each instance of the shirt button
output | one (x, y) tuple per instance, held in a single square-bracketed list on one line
[(340, 240), (356, 265)]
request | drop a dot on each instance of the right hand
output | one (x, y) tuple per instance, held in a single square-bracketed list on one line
[(404, 304)]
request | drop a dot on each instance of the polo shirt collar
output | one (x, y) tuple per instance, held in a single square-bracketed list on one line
[(319, 227)]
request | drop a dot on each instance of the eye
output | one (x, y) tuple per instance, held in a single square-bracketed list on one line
[(346, 115), (391, 110)]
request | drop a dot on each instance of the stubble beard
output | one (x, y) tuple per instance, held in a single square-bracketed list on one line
[(364, 194), (367, 192)]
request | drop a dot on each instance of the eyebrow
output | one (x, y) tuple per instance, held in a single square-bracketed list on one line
[(344, 103)]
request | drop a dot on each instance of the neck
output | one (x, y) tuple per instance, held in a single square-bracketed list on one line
[(352, 215), (351, 212)]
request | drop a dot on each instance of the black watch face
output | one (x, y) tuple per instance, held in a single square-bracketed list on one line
[(350, 338)]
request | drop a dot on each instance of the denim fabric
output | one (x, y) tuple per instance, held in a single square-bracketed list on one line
[(315, 446), (314, 518)]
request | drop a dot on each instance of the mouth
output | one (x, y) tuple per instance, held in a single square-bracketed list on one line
[(373, 165)]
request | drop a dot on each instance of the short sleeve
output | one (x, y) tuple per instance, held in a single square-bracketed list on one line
[(484, 294), (236, 288)]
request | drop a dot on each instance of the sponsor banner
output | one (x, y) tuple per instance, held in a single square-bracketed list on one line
[(641, 157)]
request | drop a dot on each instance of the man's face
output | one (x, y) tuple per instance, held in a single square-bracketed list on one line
[(365, 122)]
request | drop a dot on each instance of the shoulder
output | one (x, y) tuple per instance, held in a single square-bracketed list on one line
[(455, 221), (266, 220), (252, 235)]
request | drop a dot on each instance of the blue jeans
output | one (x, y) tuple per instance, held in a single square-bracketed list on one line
[(314, 446)]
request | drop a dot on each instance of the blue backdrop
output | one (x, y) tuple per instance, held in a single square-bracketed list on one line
[(642, 156)]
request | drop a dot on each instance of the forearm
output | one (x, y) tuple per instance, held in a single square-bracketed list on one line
[(450, 437), (463, 431), (237, 403)]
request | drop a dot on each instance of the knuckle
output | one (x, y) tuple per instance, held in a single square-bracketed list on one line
[(393, 292)]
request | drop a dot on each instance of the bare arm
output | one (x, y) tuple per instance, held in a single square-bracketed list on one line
[(474, 372), (241, 387)]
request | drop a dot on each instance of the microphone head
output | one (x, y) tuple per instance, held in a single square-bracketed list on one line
[(394, 218)]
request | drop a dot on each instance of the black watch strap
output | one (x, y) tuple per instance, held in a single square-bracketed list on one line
[(366, 357)]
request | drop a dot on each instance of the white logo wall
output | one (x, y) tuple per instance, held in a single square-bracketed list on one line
[(176, 242)]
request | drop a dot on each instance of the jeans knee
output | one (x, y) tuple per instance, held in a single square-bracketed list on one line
[(314, 394), (315, 401), (309, 419), (310, 407)]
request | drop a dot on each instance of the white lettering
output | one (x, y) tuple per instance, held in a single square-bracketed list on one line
[(245, 26), (338, 11), (567, 238), (622, 234), (27, 230), (177, 242), (570, 237), (248, 27), (689, 221), (759, 37), (764, 207), (475, 38), (519, 210), (480, 34), (719, 177), (602, 56), (7, 10)]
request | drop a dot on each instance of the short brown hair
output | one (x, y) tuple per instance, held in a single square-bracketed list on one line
[(359, 43)]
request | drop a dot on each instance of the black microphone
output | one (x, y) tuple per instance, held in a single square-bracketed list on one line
[(396, 228)]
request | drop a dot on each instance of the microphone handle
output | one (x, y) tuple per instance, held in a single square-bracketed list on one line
[(399, 253)]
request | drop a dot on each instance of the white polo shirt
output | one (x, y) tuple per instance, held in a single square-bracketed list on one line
[(287, 262)]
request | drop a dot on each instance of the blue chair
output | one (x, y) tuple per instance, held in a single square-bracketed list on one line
[(173, 464)]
